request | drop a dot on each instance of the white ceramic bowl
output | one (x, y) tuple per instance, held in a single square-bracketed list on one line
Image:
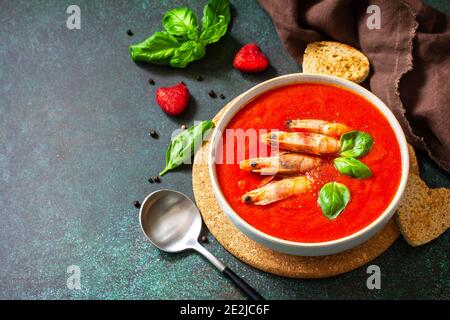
[(302, 248)]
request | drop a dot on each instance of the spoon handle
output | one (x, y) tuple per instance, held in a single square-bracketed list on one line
[(241, 284)]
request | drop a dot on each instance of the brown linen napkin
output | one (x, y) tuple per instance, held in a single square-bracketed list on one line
[(409, 55)]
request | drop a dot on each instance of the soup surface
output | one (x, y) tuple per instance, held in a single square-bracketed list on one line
[(299, 218)]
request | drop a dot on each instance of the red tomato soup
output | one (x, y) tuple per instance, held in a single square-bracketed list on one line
[(299, 218)]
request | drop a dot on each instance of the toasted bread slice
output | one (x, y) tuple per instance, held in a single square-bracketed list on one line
[(336, 59), (424, 213), (413, 164)]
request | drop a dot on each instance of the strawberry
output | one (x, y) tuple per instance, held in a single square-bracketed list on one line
[(173, 100), (250, 59)]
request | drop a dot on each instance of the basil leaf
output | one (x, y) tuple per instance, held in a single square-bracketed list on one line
[(212, 12), (333, 198), (183, 146), (216, 16), (179, 21), (159, 48), (215, 32), (193, 34), (352, 167), (187, 52), (355, 144)]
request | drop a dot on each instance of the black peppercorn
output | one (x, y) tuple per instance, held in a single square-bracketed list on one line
[(212, 94), (153, 134), (137, 204)]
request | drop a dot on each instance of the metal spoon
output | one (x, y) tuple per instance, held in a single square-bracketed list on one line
[(172, 223)]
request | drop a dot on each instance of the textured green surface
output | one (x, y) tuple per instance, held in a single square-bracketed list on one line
[(74, 154)]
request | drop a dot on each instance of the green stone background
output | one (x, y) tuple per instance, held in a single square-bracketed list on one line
[(74, 154)]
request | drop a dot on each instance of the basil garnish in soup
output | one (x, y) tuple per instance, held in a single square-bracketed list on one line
[(352, 167), (333, 198), (355, 144)]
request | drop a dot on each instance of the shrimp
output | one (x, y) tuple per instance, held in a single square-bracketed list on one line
[(283, 163), (306, 142), (318, 126), (277, 190)]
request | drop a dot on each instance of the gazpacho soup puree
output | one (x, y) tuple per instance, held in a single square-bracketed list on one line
[(332, 168)]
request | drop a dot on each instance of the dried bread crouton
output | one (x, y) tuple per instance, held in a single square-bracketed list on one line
[(424, 213), (337, 59)]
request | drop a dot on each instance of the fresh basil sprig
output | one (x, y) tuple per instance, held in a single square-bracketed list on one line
[(355, 144), (183, 146), (333, 198), (352, 167), (182, 42)]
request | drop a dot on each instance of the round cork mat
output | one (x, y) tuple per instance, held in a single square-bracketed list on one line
[(271, 261)]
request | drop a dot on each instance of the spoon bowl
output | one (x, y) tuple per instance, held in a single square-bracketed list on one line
[(172, 223)]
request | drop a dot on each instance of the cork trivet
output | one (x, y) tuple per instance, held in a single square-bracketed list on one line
[(271, 261)]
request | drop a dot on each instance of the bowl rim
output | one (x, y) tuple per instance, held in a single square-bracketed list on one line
[(242, 100)]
